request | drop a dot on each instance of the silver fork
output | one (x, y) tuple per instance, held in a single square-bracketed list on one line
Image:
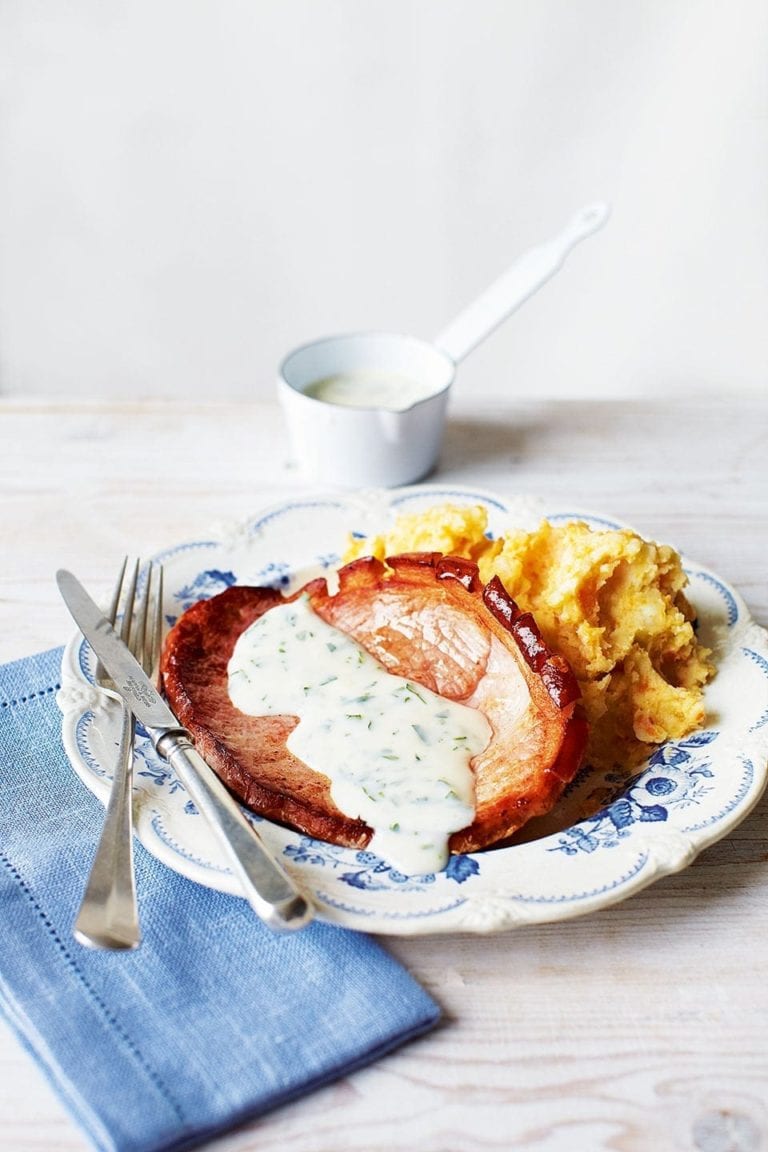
[(108, 916)]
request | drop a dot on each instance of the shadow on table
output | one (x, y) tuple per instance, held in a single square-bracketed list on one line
[(484, 443)]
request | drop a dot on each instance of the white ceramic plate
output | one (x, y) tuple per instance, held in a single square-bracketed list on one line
[(689, 794)]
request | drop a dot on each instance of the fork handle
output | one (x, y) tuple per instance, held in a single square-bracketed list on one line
[(108, 915), (268, 889)]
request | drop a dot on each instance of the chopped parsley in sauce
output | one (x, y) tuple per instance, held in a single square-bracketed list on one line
[(397, 754)]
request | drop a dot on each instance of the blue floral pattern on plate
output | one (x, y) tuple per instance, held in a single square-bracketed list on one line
[(609, 837), (675, 778)]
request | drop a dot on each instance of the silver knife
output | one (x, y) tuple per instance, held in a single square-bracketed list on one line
[(267, 887)]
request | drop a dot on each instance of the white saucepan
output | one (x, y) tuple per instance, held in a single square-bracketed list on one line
[(368, 409)]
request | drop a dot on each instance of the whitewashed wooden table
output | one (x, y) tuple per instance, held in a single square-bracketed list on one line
[(644, 1027)]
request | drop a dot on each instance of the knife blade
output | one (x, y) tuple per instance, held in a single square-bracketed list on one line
[(267, 887)]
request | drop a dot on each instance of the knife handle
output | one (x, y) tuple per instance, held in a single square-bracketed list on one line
[(268, 889)]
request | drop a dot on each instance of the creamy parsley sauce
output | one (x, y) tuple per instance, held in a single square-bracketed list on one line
[(397, 755), (369, 390)]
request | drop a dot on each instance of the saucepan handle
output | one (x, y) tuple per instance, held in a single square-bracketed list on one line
[(517, 284)]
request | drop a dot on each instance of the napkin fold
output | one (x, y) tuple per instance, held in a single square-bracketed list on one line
[(215, 1019)]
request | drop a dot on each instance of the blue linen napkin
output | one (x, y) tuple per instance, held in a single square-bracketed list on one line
[(214, 1019)]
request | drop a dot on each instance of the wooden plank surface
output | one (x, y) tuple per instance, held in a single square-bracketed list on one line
[(644, 1027)]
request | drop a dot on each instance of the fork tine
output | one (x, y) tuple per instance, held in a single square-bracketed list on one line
[(137, 632), (154, 635), (112, 612), (129, 601), (115, 601)]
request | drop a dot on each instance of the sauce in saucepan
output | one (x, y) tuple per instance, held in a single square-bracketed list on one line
[(369, 390)]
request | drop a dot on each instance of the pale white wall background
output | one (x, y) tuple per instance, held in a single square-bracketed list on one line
[(189, 188)]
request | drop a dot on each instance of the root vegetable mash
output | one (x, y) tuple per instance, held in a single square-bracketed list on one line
[(609, 601)]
